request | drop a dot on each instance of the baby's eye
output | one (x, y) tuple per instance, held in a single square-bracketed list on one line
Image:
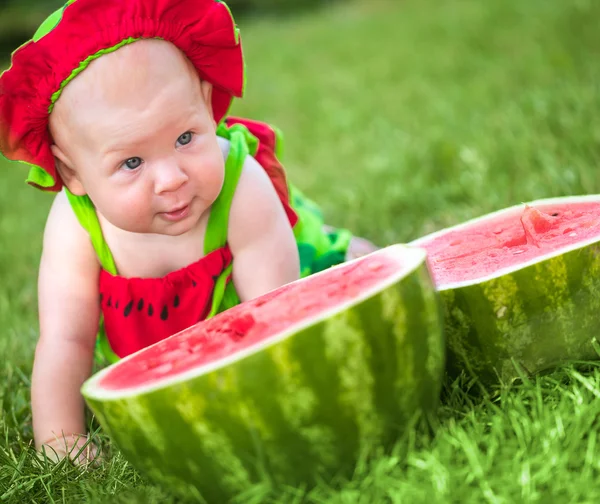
[(186, 138), (132, 163)]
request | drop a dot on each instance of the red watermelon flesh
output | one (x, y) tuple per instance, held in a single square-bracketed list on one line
[(509, 238), (255, 322)]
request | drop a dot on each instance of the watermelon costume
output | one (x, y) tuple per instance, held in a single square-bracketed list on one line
[(138, 312)]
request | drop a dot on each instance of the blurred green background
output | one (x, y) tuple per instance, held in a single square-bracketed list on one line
[(20, 18)]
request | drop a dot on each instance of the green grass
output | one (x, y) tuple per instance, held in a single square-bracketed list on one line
[(401, 118)]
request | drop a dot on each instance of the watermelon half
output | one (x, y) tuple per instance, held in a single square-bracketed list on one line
[(521, 287), (288, 388)]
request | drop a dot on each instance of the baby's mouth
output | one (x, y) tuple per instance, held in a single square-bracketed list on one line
[(177, 214)]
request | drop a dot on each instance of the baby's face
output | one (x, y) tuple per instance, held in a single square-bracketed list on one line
[(135, 132)]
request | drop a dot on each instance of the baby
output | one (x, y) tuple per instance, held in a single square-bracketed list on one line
[(162, 216)]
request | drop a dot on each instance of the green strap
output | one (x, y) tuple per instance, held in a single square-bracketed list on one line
[(216, 231), (86, 214), (241, 144)]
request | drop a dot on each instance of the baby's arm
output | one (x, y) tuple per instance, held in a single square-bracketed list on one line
[(260, 236), (69, 312)]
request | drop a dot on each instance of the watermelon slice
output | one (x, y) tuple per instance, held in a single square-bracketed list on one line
[(521, 287), (290, 387)]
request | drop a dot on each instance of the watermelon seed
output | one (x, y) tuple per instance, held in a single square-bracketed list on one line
[(101, 297), (128, 308), (117, 305), (176, 301), (150, 310), (109, 302), (573, 234), (140, 305), (518, 251), (186, 347), (194, 283), (164, 314), (152, 363), (555, 214), (241, 326)]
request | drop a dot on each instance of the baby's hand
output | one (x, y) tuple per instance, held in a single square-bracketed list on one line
[(77, 447)]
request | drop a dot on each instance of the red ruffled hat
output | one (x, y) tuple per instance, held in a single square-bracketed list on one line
[(84, 30)]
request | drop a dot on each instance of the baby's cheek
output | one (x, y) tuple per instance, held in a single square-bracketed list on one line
[(130, 211), (212, 178)]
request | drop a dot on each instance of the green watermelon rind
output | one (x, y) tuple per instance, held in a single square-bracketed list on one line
[(529, 318), (299, 409)]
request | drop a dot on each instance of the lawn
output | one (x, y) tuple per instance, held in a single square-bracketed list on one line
[(400, 118)]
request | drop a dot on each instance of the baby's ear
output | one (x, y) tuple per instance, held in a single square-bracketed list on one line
[(67, 172)]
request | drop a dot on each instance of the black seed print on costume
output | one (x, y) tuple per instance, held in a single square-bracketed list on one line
[(117, 305), (140, 304), (164, 314), (194, 283), (101, 297), (176, 301), (150, 310), (128, 308), (109, 302)]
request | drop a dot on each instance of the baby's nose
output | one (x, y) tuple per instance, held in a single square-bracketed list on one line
[(169, 177)]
